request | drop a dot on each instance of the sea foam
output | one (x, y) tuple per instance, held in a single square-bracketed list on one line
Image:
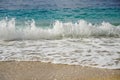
[(59, 30), (79, 43), (93, 52)]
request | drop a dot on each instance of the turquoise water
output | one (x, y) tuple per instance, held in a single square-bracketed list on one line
[(51, 18), (47, 16), (46, 12)]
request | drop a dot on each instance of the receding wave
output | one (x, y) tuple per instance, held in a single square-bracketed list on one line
[(79, 29)]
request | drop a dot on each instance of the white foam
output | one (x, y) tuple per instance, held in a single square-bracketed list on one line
[(79, 43), (8, 30), (94, 52)]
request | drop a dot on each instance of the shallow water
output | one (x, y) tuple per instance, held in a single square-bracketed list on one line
[(45, 12), (95, 52), (74, 32)]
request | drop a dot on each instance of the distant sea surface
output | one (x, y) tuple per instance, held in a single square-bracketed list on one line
[(74, 32)]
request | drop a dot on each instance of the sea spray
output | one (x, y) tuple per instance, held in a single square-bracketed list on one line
[(79, 29)]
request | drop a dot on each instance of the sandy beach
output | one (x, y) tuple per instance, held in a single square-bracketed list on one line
[(15, 70)]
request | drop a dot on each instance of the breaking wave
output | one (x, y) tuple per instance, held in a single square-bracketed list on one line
[(79, 29)]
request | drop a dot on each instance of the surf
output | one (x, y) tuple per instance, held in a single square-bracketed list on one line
[(59, 30)]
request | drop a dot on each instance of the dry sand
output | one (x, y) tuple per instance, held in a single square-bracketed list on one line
[(29, 70)]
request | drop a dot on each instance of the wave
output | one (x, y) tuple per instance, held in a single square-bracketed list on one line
[(79, 29)]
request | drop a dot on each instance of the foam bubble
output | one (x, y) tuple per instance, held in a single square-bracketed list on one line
[(94, 52)]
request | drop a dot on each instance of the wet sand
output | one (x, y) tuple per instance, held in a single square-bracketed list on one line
[(15, 70)]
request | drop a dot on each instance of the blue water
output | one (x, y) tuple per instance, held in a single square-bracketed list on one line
[(74, 32), (45, 12)]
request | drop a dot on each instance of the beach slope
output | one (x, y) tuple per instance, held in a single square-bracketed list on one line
[(29, 70)]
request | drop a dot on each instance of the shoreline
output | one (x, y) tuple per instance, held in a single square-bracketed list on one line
[(36, 70)]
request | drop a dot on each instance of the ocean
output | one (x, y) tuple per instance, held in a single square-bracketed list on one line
[(73, 32)]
